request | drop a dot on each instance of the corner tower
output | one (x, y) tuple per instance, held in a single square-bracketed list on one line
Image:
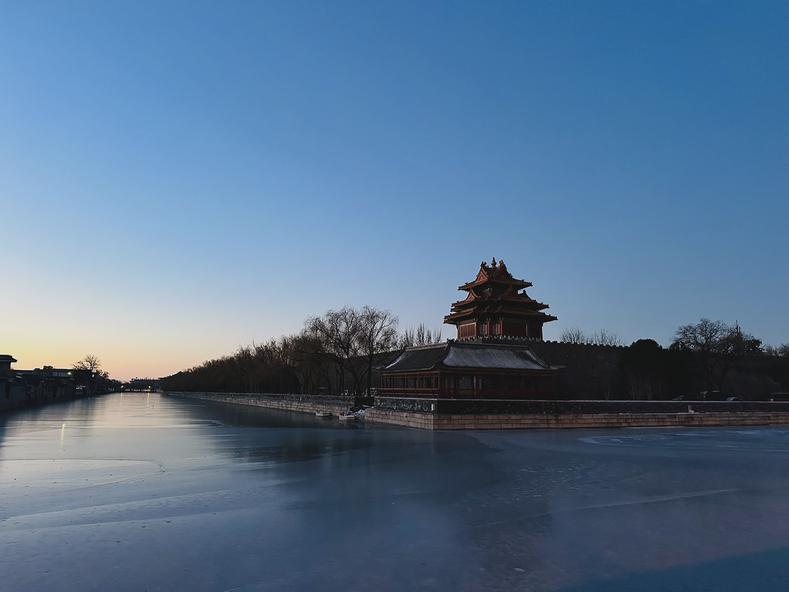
[(497, 306)]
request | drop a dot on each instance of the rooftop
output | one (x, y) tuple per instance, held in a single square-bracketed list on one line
[(468, 354), (495, 272)]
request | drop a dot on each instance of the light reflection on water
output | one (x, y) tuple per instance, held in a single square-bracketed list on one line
[(154, 492)]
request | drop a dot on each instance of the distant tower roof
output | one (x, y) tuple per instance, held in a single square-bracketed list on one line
[(497, 306)]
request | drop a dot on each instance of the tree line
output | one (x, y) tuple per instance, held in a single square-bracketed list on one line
[(335, 353), (341, 351), (707, 359)]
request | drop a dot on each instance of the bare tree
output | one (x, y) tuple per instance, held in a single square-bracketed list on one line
[(422, 335), (780, 351), (601, 337), (306, 355), (337, 331), (704, 337), (352, 339), (716, 343), (89, 362), (573, 335), (377, 334), (716, 337)]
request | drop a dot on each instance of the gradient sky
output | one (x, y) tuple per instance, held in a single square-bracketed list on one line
[(181, 178)]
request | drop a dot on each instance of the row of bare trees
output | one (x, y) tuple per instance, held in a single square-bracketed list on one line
[(601, 337), (336, 352)]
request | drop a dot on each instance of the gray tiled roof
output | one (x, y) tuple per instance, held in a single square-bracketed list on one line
[(418, 358), (466, 354), (492, 356)]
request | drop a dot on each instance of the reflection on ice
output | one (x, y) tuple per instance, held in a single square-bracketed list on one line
[(149, 492)]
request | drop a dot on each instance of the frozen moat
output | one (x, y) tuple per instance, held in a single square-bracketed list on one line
[(142, 492)]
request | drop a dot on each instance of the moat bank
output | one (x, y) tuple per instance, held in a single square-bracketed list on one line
[(476, 414), (283, 402)]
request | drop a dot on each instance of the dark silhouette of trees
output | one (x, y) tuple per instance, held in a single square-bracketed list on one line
[(352, 339), (304, 353), (341, 352), (88, 373), (338, 333), (90, 363), (90, 367), (335, 353), (377, 335), (651, 372), (255, 368), (644, 366), (716, 345), (779, 351)]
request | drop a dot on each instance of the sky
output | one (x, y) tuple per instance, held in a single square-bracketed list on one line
[(178, 179)]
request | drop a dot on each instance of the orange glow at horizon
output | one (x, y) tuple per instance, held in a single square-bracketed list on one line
[(122, 359)]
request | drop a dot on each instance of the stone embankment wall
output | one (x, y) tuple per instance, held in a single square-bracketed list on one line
[(15, 395), (284, 402), (479, 414), (429, 421)]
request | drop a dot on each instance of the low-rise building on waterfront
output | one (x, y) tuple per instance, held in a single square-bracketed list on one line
[(20, 387), (12, 389)]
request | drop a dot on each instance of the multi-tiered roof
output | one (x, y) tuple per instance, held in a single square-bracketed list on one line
[(497, 305)]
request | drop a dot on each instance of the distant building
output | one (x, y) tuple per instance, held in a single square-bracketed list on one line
[(141, 385), (12, 390), (5, 364), (50, 372), (28, 387), (491, 358)]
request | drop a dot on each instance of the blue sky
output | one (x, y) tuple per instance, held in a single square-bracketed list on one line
[(180, 178)]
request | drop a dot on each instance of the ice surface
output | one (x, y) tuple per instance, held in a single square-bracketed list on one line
[(141, 492)]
